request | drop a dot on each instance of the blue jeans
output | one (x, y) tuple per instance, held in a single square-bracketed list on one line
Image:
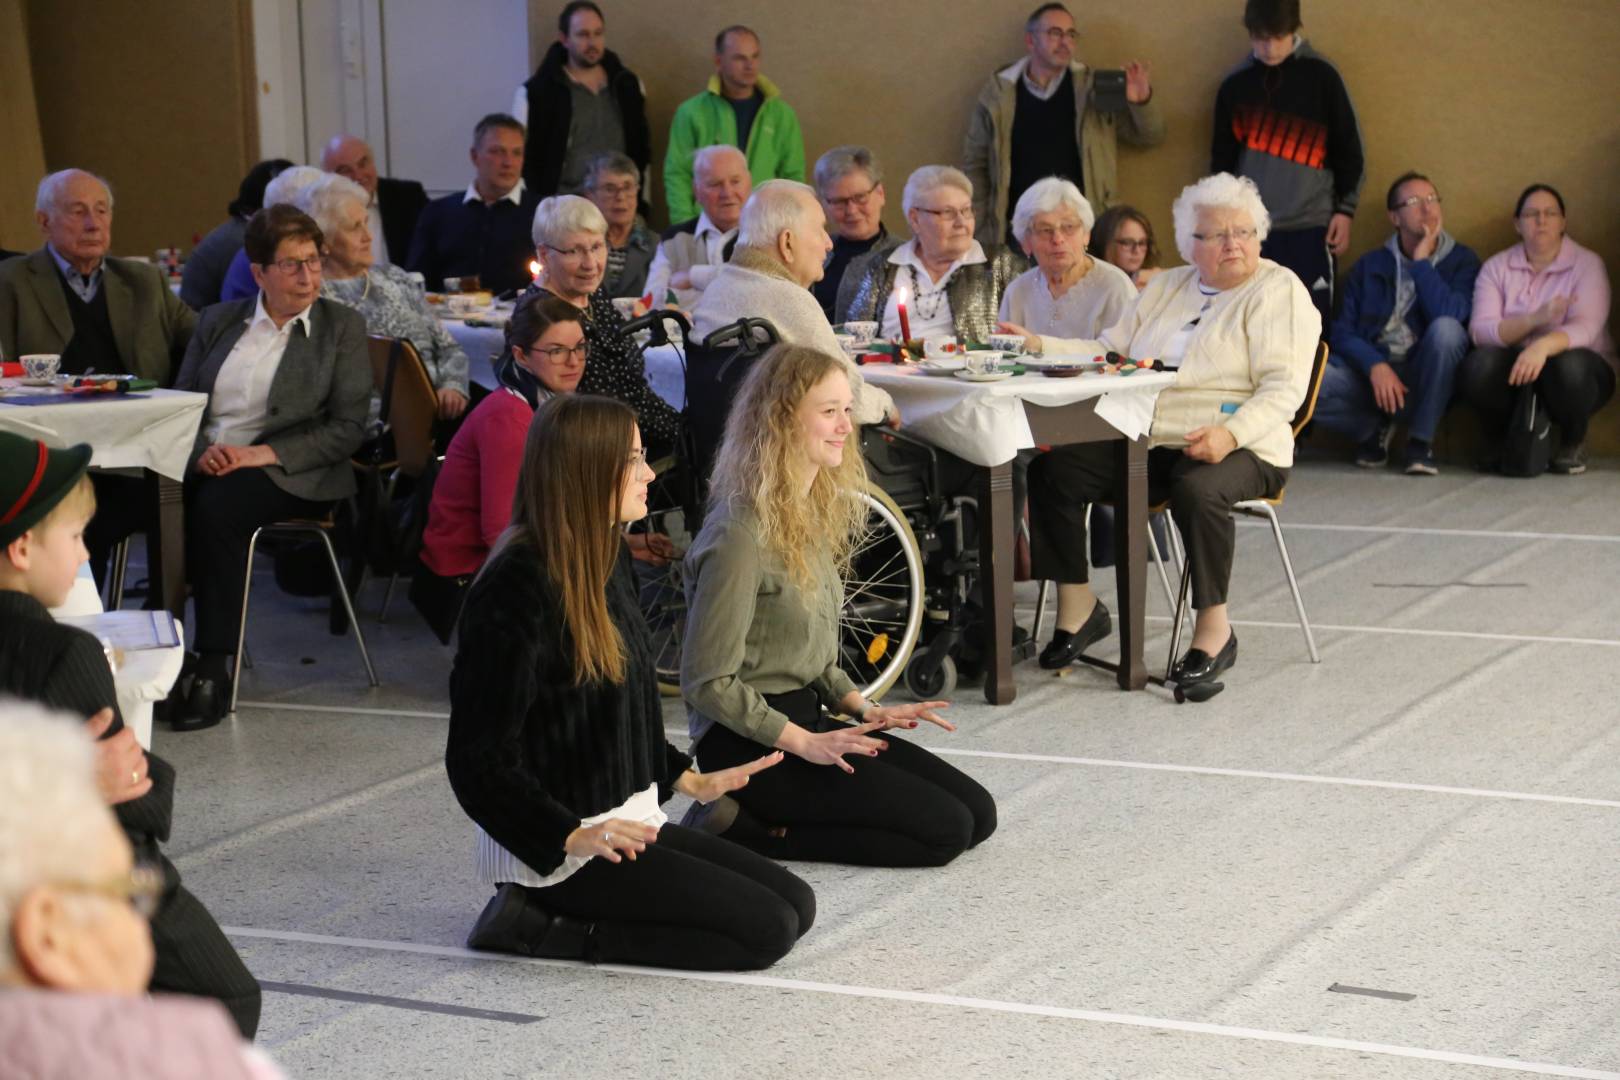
[(1346, 404)]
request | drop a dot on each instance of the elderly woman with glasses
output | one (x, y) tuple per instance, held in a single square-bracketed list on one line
[(1241, 332), (393, 305), (287, 381), (849, 183), (1541, 318), (1068, 294), (570, 240), (1123, 236), (613, 183), (942, 274)]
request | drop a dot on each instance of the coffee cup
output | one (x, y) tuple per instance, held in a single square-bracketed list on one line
[(40, 365), (983, 362), (863, 331), (461, 304), (1011, 344), (849, 344), (625, 306), (452, 284), (941, 347)]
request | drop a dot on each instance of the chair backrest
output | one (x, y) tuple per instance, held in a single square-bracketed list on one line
[(409, 404), (1307, 408), (714, 372)]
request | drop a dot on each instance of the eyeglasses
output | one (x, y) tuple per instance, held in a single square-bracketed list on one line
[(289, 267), (1542, 215), (1055, 34), (614, 191), (953, 215), (1049, 233), (1412, 202), (858, 202), (142, 887), (557, 354), (1131, 245), (1242, 236), (596, 251), (638, 458)]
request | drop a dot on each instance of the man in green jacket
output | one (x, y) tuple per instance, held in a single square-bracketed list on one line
[(740, 107), (1040, 117)]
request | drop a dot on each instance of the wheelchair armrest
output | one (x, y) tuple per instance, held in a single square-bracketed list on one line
[(655, 323), (884, 431)]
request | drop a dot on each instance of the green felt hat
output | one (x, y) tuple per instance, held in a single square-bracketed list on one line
[(33, 479)]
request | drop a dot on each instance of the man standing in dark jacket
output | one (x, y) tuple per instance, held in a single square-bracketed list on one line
[(1284, 120), (1401, 333), (581, 102)]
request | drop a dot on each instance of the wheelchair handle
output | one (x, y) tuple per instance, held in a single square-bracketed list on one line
[(654, 322)]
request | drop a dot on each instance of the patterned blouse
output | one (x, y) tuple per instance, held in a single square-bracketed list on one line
[(393, 307), (617, 369)]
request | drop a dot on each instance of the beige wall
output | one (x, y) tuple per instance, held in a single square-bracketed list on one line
[(153, 96), (22, 159), (1484, 95)]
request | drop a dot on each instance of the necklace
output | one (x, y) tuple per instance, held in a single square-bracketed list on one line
[(938, 296)]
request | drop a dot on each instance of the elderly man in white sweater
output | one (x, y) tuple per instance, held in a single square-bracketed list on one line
[(782, 246)]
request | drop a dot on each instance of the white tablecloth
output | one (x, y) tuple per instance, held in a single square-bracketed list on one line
[(151, 430), (985, 423)]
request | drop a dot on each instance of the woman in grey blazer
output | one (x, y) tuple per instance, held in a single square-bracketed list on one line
[(288, 382)]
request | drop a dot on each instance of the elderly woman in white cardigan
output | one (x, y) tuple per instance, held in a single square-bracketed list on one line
[(782, 247), (1242, 331)]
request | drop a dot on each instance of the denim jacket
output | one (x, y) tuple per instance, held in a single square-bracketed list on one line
[(1446, 290)]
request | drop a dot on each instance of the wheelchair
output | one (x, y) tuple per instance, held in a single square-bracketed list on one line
[(909, 578)]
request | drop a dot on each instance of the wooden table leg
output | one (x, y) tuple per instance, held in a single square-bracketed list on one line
[(167, 563), (996, 579), (1130, 554)]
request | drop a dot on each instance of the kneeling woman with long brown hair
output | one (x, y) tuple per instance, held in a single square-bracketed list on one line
[(557, 748), (760, 660)]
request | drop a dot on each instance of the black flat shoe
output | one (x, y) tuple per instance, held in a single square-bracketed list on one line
[(1198, 666), (204, 705), (512, 923), (1066, 645)]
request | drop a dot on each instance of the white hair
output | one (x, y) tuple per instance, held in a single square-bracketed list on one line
[(49, 193), (705, 158), (775, 207), (1222, 191), (51, 815), (930, 178), (291, 186), (561, 216), (1046, 197), (323, 200)]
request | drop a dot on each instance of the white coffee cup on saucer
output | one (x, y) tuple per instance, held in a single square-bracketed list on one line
[(983, 362), (1011, 344), (40, 365), (862, 330)]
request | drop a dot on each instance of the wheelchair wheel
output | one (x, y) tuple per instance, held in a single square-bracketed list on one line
[(883, 598), (933, 685), (662, 588)]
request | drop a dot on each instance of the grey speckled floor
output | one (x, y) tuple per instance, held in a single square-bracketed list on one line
[(1178, 920)]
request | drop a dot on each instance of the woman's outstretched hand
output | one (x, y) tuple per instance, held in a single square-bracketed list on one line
[(707, 787), (829, 747), (907, 716), (613, 840)]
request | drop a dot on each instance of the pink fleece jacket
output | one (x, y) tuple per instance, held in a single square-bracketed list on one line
[(1507, 287)]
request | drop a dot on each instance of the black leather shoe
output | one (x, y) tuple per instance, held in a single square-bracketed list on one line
[(1198, 666), (1065, 645), (512, 923), (204, 705)]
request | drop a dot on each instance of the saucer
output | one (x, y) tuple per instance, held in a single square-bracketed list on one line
[(983, 376)]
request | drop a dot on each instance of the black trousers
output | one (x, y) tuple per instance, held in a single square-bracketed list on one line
[(221, 514), (1573, 385), (1201, 495), (124, 505), (690, 900), (904, 807), (1305, 252), (194, 957)]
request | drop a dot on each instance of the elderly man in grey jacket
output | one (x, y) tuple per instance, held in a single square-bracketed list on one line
[(782, 246)]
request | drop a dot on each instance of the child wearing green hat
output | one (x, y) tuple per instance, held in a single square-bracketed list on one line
[(45, 503)]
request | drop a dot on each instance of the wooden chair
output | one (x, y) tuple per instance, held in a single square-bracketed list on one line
[(409, 408)]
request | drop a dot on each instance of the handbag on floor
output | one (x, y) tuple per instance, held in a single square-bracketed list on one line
[(1528, 448)]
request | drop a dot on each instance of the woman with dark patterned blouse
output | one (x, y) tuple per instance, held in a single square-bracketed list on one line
[(570, 240)]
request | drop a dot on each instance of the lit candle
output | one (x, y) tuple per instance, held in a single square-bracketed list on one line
[(534, 270), (905, 323)]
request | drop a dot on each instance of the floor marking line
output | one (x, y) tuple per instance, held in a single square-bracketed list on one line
[(1494, 534), (1473, 635), (1299, 778), (1365, 991), (301, 990), (358, 710), (951, 1000)]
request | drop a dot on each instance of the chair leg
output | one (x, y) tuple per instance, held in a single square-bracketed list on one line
[(348, 605), (241, 626), (1178, 617), (1293, 583), (1164, 578), (115, 580), (388, 596), (1040, 611)]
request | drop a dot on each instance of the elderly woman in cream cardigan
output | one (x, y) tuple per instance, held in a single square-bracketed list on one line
[(782, 247), (1241, 332)]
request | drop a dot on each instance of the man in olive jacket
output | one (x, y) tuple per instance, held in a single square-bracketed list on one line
[(1039, 117)]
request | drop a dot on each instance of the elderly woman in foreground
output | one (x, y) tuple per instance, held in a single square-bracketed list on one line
[(1242, 331), (392, 304), (950, 285), (570, 240)]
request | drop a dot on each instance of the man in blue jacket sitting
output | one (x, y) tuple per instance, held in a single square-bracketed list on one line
[(1401, 333)]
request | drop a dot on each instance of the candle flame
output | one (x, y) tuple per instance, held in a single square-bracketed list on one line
[(902, 294), (534, 268)]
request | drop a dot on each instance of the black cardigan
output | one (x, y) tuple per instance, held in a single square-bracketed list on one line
[(529, 753)]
